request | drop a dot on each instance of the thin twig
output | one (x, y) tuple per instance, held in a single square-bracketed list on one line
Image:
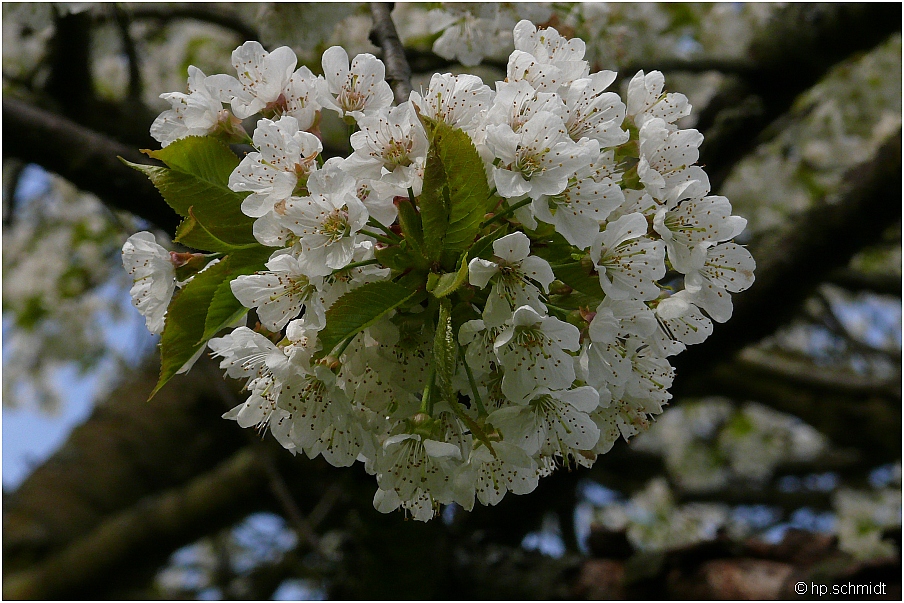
[(281, 491), (384, 35)]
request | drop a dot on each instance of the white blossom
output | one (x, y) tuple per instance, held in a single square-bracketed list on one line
[(197, 113), (646, 100), (516, 102), (628, 262), (692, 222), (263, 78), (356, 90), (470, 32), (539, 159), (533, 350), (154, 276), (665, 159), (513, 277), (391, 147), (593, 112), (490, 477), (545, 58), (585, 184), (285, 158), (326, 225), (280, 293), (457, 100), (410, 462), (552, 423), (581, 207)]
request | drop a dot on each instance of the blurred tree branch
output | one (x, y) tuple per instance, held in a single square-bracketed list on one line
[(122, 453), (85, 157), (722, 569), (128, 45), (821, 402), (855, 280), (200, 11), (791, 53), (144, 534), (820, 311), (805, 373)]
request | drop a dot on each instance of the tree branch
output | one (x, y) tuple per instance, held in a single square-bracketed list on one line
[(384, 35), (855, 280), (736, 67), (791, 53), (831, 409), (123, 452), (128, 46), (85, 158), (807, 374), (722, 569), (70, 83), (152, 528), (207, 13), (10, 185), (826, 315)]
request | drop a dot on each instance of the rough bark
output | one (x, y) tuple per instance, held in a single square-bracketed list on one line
[(384, 35)]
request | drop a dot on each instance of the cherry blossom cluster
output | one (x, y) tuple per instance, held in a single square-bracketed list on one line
[(608, 256)]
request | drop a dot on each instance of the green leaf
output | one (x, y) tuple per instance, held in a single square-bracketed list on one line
[(185, 319), (192, 233), (197, 179), (573, 272), (224, 308), (202, 308), (455, 192), (575, 300), (450, 282), (483, 248), (359, 309), (410, 221), (396, 257), (576, 276), (433, 205), (445, 352)]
